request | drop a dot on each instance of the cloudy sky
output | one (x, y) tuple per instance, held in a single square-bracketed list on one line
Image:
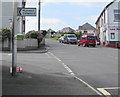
[(57, 14)]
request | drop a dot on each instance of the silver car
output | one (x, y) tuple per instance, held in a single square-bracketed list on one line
[(61, 39), (70, 38)]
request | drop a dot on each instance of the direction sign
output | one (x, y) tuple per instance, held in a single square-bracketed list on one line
[(26, 11)]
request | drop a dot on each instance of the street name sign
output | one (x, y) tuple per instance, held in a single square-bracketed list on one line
[(26, 11)]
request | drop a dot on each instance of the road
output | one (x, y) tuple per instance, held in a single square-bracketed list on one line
[(96, 66), (64, 70)]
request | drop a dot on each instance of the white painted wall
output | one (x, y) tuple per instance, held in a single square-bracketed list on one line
[(7, 13), (110, 23), (89, 31)]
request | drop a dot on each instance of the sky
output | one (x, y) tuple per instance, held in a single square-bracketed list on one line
[(58, 14)]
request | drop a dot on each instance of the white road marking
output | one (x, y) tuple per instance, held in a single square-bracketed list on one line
[(71, 72), (47, 55), (65, 66), (9, 54)]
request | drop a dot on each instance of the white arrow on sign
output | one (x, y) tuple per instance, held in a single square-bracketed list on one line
[(26, 11)]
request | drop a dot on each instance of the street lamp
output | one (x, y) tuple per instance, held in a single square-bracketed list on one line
[(39, 7)]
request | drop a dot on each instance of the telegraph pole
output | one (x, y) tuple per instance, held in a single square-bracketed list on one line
[(39, 8), (14, 41)]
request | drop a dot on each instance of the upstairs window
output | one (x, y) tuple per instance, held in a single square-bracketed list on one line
[(117, 15)]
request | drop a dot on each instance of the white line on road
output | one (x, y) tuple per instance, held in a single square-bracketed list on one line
[(47, 55), (65, 66), (71, 72), (9, 54)]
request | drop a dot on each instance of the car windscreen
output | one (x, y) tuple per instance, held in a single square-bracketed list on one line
[(71, 36), (91, 38)]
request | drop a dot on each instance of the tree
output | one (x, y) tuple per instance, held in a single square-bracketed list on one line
[(35, 35), (6, 34), (79, 35)]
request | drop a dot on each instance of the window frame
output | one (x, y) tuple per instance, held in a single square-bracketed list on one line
[(112, 35)]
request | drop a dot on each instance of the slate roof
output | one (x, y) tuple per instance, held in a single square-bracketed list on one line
[(106, 8), (86, 26), (67, 29)]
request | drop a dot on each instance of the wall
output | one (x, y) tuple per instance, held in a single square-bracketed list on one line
[(24, 44), (107, 22), (7, 13), (112, 23), (90, 32)]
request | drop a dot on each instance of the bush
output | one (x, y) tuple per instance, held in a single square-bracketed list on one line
[(5, 33), (67, 33), (20, 36), (58, 36), (79, 35), (34, 34)]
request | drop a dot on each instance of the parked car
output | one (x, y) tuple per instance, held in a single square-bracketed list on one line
[(61, 39), (87, 40), (70, 38)]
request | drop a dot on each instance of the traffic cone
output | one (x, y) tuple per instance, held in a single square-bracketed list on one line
[(19, 69)]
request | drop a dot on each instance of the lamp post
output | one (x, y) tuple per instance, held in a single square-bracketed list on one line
[(39, 7)]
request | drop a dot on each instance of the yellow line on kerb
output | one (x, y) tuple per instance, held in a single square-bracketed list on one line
[(105, 92), (112, 88), (102, 90)]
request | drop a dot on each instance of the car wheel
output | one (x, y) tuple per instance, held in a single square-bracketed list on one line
[(94, 45), (87, 45)]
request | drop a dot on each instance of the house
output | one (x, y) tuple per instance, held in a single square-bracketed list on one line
[(7, 15), (108, 24), (67, 29), (87, 29), (51, 33)]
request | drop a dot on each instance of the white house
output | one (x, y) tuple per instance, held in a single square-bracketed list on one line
[(87, 29), (7, 14), (108, 24)]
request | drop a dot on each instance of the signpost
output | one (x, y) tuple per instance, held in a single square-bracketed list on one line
[(18, 12), (26, 11)]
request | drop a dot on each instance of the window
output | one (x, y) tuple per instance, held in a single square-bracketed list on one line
[(117, 15), (91, 38), (85, 31), (83, 37), (112, 35)]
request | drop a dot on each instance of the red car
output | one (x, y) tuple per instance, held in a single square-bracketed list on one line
[(87, 40)]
